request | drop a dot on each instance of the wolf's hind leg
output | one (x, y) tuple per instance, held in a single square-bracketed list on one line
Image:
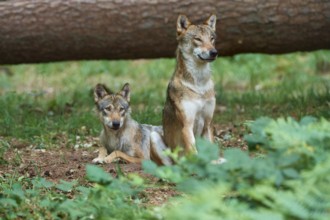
[(157, 148)]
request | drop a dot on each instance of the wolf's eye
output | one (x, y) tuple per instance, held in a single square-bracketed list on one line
[(108, 108), (121, 109), (198, 39)]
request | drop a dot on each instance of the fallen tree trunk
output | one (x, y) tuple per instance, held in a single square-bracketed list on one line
[(44, 31)]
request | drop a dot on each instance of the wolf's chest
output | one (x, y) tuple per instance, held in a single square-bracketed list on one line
[(198, 107), (121, 143), (198, 110)]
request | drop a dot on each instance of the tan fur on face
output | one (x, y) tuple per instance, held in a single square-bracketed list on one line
[(190, 101)]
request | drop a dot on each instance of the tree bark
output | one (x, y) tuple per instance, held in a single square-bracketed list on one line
[(55, 30)]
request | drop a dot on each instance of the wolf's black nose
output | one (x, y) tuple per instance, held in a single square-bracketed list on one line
[(213, 53), (115, 125)]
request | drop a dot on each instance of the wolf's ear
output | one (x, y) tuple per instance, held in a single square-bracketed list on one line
[(99, 92), (125, 92), (211, 21), (182, 24)]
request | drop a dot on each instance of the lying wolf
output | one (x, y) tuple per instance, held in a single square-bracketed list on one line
[(122, 137)]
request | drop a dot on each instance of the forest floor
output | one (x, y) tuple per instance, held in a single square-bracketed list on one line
[(69, 164)]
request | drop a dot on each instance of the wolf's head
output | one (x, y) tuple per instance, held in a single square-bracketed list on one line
[(112, 108), (197, 41)]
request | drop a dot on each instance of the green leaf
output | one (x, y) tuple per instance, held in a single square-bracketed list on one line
[(135, 179), (291, 173), (45, 183), (5, 202), (149, 166), (18, 191), (236, 159), (262, 215), (193, 185), (307, 120), (83, 190), (278, 178), (206, 150), (289, 203), (289, 160), (73, 208), (46, 203), (66, 186), (258, 136), (97, 175)]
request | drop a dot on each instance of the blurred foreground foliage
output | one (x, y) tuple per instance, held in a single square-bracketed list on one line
[(283, 176), (288, 180)]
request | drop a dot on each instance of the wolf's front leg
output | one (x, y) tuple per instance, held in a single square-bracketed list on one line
[(102, 154), (208, 112), (186, 113), (121, 155), (189, 140), (208, 132)]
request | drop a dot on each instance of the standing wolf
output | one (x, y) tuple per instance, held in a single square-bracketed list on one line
[(122, 137), (190, 101)]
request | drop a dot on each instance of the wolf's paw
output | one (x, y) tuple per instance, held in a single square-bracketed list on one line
[(98, 160), (111, 160), (221, 160)]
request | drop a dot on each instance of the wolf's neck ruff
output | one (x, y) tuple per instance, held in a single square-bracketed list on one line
[(195, 76)]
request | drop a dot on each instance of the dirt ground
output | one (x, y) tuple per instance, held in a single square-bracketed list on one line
[(68, 163)]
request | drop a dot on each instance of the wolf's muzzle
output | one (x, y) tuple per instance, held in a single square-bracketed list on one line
[(213, 53), (115, 125)]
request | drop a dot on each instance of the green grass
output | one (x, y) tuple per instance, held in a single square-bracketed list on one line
[(293, 84), (57, 97)]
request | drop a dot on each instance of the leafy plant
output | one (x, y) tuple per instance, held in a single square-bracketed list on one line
[(288, 182), (109, 198)]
